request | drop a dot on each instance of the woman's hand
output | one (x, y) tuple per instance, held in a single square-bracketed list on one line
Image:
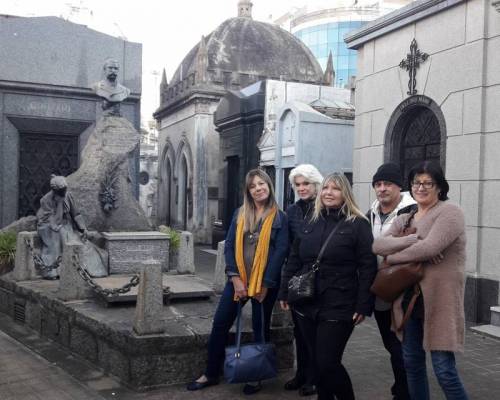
[(240, 289), (437, 259), (262, 295), (358, 318), (284, 305)]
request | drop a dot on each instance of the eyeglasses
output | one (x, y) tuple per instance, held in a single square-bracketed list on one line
[(425, 185)]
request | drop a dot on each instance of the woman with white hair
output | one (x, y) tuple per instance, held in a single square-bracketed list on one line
[(306, 181)]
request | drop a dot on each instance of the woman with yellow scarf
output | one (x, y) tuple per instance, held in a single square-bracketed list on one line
[(255, 250)]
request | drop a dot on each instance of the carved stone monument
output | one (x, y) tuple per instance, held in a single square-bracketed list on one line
[(102, 185)]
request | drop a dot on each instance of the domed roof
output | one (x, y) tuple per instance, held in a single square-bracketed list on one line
[(243, 51), (257, 48)]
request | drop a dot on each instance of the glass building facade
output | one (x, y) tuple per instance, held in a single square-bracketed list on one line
[(321, 39)]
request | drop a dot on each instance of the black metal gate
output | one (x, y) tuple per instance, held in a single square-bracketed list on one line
[(421, 140), (40, 156)]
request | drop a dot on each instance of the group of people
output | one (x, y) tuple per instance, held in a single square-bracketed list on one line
[(266, 247)]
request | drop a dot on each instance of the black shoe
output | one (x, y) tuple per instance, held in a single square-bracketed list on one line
[(293, 384), (201, 385), (307, 390), (252, 389)]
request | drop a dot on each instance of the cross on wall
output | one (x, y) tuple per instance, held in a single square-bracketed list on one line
[(412, 61)]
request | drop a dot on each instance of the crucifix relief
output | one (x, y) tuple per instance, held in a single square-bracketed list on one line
[(411, 63)]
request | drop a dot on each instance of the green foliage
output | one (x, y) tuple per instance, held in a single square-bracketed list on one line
[(7, 247), (175, 236)]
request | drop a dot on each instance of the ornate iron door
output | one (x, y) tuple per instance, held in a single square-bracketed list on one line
[(421, 140), (40, 156)]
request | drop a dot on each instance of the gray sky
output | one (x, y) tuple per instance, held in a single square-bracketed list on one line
[(167, 29)]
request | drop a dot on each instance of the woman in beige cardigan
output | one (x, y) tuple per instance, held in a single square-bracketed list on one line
[(437, 322)]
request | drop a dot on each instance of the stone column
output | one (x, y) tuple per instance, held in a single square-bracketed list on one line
[(220, 277), (24, 268), (71, 284), (148, 310), (186, 254)]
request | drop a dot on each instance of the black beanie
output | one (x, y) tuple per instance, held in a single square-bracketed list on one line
[(388, 172)]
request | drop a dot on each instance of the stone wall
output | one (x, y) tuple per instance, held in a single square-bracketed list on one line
[(461, 76)]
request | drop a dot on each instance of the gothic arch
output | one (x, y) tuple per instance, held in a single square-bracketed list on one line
[(416, 131), (184, 184), (166, 184)]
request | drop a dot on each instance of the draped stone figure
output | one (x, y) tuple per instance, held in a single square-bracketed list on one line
[(59, 221)]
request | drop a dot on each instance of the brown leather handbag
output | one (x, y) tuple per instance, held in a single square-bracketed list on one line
[(392, 280)]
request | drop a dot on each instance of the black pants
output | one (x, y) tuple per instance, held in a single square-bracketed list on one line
[(305, 364), (326, 341), (392, 344)]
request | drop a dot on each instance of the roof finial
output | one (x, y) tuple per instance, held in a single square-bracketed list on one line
[(329, 77), (245, 9)]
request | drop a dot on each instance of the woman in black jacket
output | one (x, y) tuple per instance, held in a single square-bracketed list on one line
[(346, 272), (306, 181)]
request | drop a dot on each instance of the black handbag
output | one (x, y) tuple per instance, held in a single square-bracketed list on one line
[(250, 362), (301, 288)]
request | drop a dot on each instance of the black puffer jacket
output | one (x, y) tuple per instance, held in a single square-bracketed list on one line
[(346, 272), (298, 213)]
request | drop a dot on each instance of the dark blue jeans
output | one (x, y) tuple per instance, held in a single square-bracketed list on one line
[(224, 317), (443, 363)]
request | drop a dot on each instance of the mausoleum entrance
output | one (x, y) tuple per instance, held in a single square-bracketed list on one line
[(416, 132), (40, 156)]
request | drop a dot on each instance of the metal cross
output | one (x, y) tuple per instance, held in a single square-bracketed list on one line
[(411, 63)]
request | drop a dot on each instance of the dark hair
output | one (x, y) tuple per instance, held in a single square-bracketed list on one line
[(436, 172)]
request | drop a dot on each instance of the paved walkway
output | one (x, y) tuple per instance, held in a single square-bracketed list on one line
[(25, 375)]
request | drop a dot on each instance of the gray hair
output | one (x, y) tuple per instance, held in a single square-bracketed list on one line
[(309, 172)]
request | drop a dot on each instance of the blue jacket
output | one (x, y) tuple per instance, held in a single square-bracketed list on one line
[(278, 250)]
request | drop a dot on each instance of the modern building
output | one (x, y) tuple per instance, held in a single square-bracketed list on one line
[(47, 107), (322, 26), (238, 53), (428, 88)]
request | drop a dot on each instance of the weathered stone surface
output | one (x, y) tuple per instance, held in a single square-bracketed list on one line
[(127, 250), (186, 254), (220, 277), (149, 300), (71, 284), (108, 153), (24, 266), (23, 224)]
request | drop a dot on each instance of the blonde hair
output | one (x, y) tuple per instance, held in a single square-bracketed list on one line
[(310, 173), (248, 210), (349, 208)]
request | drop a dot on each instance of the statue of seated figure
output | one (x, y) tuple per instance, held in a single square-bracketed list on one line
[(58, 221)]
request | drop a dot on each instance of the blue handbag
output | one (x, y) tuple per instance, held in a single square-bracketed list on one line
[(250, 362)]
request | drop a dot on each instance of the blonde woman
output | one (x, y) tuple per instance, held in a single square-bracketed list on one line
[(346, 272), (306, 181), (255, 250)]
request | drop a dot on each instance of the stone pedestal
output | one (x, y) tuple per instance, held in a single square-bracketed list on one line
[(220, 277), (185, 263), (127, 250), (149, 304), (24, 269), (71, 284)]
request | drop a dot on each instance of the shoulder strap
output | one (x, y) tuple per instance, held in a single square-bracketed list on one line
[(315, 266)]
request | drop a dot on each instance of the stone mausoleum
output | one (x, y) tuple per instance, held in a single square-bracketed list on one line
[(236, 54), (47, 108), (428, 88)]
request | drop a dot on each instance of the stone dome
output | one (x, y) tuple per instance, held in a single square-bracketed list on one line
[(240, 52)]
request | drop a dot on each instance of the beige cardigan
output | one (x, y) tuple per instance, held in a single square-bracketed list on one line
[(441, 230)]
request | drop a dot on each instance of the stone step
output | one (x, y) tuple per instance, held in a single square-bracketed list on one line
[(488, 330), (495, 315), (180, 287)]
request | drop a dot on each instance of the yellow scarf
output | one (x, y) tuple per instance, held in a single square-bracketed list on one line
[(261, 252)]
